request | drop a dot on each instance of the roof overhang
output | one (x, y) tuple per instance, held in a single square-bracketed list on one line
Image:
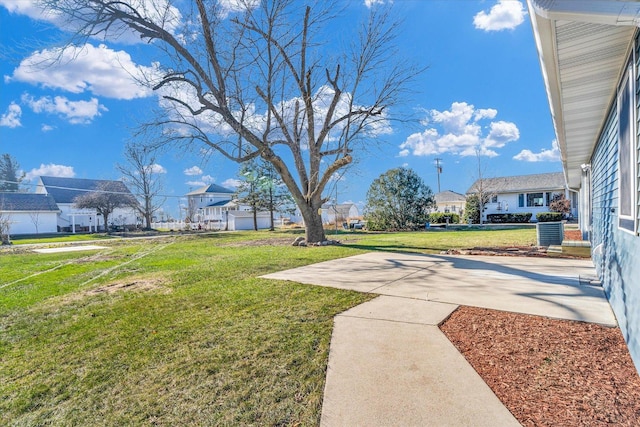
[(582, 47)]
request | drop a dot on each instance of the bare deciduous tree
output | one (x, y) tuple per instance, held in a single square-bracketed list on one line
[(106, 198), (142, 175), (267, 79)]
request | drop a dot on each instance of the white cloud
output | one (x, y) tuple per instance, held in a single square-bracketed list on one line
[(371, 3), (11, 118), (195, 183), (546, 155), (208, 179), (156, 168), (193, 171), (75, 112), (160, 12), (29, 8), (460, 131), (51, 170), (46, 128), (233, 6), (501, 133), (231, 183), (77, 69), (504, 15)]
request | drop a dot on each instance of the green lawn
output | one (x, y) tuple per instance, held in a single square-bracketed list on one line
[(179, 330)]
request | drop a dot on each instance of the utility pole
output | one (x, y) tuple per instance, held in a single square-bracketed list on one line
[(439, 171)]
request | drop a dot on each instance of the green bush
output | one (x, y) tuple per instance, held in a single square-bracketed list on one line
[(472, 209), (549, 216), (441, 218), (501, 218)]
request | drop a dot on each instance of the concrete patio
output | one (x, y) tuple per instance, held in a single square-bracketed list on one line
[(389, 363)]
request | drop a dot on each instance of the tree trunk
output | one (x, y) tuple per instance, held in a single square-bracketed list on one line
[(314, 230), (255, 219)]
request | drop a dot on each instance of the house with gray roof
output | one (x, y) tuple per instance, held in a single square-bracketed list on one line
[(450, 201), (523, 193), (71, 219), (212, 207), (29, 213)]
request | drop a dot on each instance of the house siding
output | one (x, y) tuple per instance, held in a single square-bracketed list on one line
[(615, 250)]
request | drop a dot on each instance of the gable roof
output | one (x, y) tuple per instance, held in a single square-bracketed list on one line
[(24, 202), (222, 203), (65, 190), (211, 188), (521, 183), (449, 196), (582, 46)]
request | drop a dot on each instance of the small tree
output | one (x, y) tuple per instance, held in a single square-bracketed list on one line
[(472, 209), (251, 191), (35, 219), (142, 174), (5, 222), (398, 200), (560, 204), (10, 176), (106, 198)]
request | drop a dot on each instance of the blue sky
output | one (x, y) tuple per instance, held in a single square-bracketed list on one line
[(482, 89)]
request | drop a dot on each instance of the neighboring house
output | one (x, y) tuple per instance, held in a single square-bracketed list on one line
[(29, 213), (450, 201), (523, 193), (209, 206), (589, 54), (342, 212), (213, 207), (65, 190)]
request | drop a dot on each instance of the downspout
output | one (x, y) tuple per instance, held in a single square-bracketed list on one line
[(584, 218)]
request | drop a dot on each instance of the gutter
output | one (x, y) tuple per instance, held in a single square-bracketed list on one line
[(616, 12)]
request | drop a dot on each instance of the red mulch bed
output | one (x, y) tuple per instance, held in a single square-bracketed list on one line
[(550, 372)]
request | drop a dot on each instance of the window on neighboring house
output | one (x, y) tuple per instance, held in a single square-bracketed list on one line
[(535, 199), (548, 199), (626, 154), (494, 199), (521, 200)]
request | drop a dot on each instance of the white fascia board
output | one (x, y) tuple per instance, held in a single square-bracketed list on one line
[(544, 35), (607, 12)]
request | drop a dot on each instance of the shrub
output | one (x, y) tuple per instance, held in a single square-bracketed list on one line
[(549, 216), (441, 217), (472, 209), (501, 218)]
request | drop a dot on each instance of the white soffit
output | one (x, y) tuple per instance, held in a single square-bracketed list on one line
[(582, 46)]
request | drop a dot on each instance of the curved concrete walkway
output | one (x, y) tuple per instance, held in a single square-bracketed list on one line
[(389, 364)]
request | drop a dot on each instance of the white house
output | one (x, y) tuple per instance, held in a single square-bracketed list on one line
[(213, 207), (523, 193), (29, 213), (450, 201), (209, 206), (70, 219)]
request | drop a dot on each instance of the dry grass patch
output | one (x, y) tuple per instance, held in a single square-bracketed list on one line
[(131, 285)]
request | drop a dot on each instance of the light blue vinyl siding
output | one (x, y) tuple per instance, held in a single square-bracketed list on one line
[(616, 253)]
